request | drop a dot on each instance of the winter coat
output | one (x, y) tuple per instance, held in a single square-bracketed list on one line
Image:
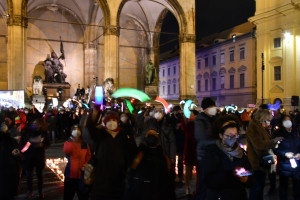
[(150, 177), (113, 156), (34, 156), (78, 155), (259, 142), (290, 143), (10, 167), (203, 124), (189, 153), (219, 175), (166, 135)]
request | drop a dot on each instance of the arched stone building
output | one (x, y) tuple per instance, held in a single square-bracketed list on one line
[(102, 38)]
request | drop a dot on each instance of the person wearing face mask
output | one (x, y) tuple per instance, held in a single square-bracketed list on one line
[(126, 124), (114, 152), (166, 134), (10, 164), (287, 149), (223, 159), (78, 154), (149, 177), (259, 144), (203, 124)]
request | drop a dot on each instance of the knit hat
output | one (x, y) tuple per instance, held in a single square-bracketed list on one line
[(176, 108), (207, 102)]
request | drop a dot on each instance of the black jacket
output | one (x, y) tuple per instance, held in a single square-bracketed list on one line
[(219, 175), (290, 143), (113, 156), (150, 178)]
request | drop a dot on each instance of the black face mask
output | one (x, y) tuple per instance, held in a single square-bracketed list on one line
[(152, 140)]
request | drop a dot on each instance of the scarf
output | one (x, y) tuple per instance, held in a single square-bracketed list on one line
[(231, 152)]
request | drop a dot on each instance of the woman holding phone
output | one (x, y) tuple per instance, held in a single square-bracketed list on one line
[(226, 167)]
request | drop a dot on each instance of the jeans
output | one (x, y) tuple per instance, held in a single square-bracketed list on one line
[(257, 190)]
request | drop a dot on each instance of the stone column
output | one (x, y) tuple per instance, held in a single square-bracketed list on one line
[(111, 54), (16, 50), (90, 72), (187, 66)]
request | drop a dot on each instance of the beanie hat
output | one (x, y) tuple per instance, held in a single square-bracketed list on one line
[(207, 102), (176, 108), (111, 116)]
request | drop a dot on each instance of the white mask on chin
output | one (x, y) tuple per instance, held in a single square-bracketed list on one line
[(212, 111), (76, 133), (287, 123), (112, 125)]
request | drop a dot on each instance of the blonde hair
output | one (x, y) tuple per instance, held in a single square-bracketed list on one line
[(263, 115)]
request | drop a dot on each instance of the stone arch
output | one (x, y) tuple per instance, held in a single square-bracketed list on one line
[(222, 71), (169, 82), (242, 69), (214, 74), (177, 12), (164, 83), (231, 70), (106, 11), (199, 76), (206, 75), (174, 81)]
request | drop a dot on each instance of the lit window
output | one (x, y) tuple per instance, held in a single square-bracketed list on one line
[(222, 58), (231, 55), (242, 80), (222, 82), (277, 73), (277, 42), (231, 81), (242, 53)]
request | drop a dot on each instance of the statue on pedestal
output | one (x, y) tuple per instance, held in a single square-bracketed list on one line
[(150, 73), (108, 85), (37, 85), (54, 69)]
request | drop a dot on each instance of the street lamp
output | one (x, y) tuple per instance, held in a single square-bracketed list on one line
[(262, 77)]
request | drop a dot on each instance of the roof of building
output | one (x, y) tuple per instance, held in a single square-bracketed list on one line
[(212, 39)]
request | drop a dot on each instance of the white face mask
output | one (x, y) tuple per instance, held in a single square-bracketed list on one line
[(158, 115), (112, 125), (76, 133), (212, 111), (268, 123), (123, 119), (287, 123)]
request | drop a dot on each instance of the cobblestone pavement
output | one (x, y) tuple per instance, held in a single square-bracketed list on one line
[(53, 187)]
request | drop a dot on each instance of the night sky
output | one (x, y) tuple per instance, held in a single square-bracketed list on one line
[(211, 16)]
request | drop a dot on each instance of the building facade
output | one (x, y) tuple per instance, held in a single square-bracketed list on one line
[(225, 68), (278, 36)]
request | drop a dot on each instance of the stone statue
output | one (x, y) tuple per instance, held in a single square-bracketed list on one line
[(108, 85), (54, 69), (37, 85), (150, 72)]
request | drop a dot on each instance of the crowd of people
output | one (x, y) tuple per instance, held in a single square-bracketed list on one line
[(133, 155)]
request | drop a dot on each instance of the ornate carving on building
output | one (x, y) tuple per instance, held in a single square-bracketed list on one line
[(112, 30), (17, 20), (222, 71), (191, 38), (214, 74), (231, 70), (242, 69)]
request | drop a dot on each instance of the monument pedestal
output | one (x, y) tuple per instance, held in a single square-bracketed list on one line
[(151, 91), (54, 88)]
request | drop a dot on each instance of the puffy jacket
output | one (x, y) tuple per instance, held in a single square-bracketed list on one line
[(290, 143), (78, 154)]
